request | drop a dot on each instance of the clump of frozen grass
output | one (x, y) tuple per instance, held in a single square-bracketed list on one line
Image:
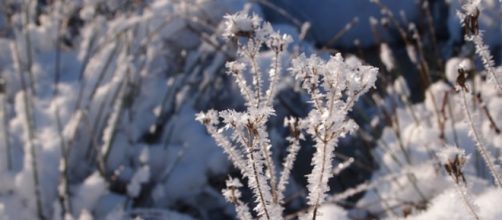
[(334, 85), (467, 126), (416, 133), (79, 82)]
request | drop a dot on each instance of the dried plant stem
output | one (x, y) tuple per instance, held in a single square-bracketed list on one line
[(57, 63), (30, 127), (387, 208), (234, 155), (281, 11), (483, 106), (5, 125), (245, 89), (86, 108), (241, 208), (257, 80), (425, 73), (34, 164), (27, 38), (294, 147), (274, 79), (430, 23), (386, 11), (96, 127), (81, 75), (90, 52), (397, 132), (113, 122), (483, 52), (325, 160), (63, 188), (270, 169), (410, 177), (479, 144), (342, 32), (103, 72), (452, 124), (461, 189), (255, 175)]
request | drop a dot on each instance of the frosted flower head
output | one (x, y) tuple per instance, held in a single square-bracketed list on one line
[(235, 67), (240, 24), (461, 82), (450, 153), (361, 77), (207, 118), (258, 114), (307, 70), (231, 193), (469, 17), (234, 119), (264, 32), (336, 76), (233, 183), (453, 160), (278, 42)]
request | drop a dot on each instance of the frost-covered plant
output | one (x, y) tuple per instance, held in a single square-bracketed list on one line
[(334, 85)]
